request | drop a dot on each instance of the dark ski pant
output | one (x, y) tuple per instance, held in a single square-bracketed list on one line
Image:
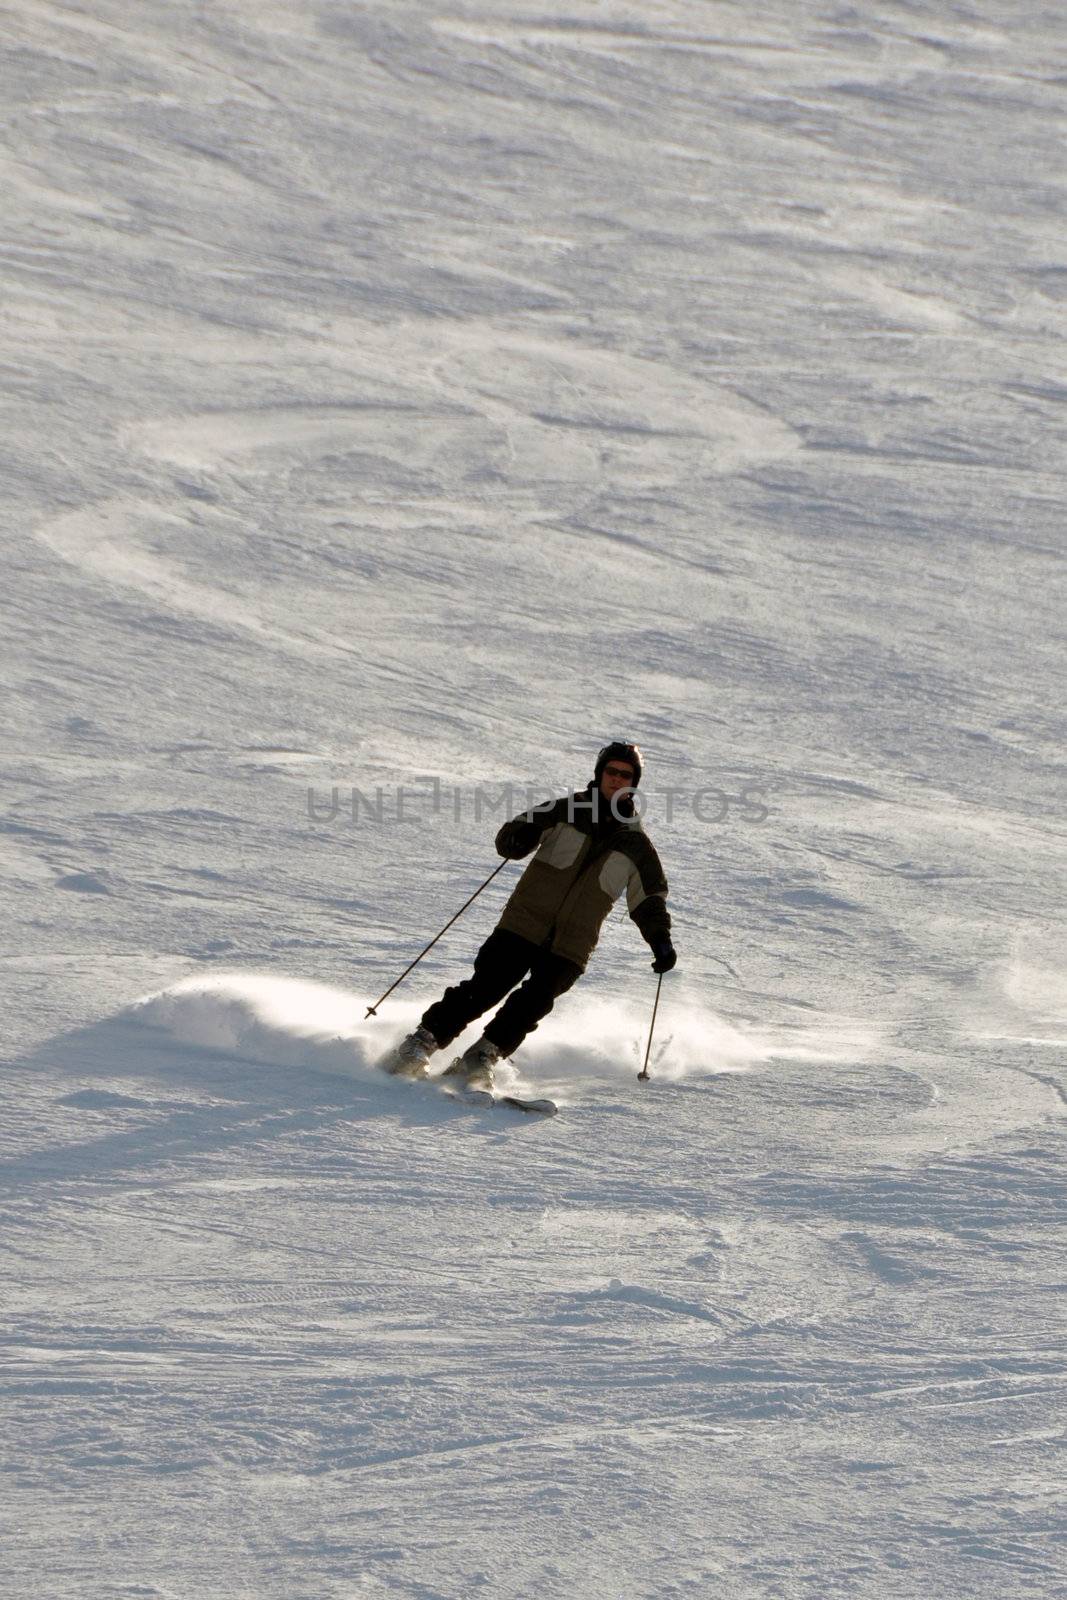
[(502, 962)]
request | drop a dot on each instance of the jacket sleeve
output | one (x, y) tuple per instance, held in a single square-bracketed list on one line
[(519, 836), (646, 897)]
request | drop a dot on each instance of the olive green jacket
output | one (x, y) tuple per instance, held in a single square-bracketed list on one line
[(581, 868)]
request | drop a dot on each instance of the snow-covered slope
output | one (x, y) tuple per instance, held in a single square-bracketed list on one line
[(411, 396)]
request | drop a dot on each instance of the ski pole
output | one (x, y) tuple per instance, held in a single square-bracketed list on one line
[(643, 1074), (372, 1011)]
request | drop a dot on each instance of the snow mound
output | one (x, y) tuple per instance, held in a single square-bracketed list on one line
[(599, 1038), (293, 1022), (280, 1021)]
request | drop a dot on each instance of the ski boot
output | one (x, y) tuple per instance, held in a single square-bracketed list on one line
[(475, 1066), (411, 1057)]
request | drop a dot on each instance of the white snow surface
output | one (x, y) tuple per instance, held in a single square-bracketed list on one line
[(400, 394)]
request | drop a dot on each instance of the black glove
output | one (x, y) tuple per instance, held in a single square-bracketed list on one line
[(664, 955), (516, 839)]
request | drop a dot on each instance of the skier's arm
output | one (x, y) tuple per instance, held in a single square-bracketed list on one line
[(646, 897), (653, 918), (519, 836)]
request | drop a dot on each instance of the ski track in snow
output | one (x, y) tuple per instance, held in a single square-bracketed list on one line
[(397, 395)]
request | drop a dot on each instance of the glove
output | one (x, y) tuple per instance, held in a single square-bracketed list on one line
[(664, 955), (516, 839)]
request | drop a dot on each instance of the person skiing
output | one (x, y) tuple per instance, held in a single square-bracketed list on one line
[(590, 847)]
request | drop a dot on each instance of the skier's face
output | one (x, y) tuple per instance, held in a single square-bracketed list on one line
[(616, 778)]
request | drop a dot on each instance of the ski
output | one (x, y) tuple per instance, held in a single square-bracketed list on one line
[(485, 1100), (482, 1099), (539, 1108)]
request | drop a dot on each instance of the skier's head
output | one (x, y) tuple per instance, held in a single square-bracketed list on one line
[(618, 768)]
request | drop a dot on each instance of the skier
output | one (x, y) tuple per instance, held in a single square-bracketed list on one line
[(591, 846)]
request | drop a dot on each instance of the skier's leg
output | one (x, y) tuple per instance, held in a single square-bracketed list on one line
[(550, 977), (501, 962)]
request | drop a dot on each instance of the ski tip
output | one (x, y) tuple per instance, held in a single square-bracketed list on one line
[(541, 1108)]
